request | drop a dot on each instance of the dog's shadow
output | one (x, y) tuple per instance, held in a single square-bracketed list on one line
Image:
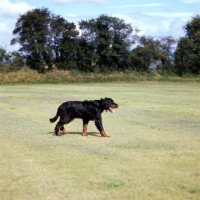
[(95, 134)]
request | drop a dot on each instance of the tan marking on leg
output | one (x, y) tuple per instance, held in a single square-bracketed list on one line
[(103, 134), (85, 130), (59, 134), (64, 131)]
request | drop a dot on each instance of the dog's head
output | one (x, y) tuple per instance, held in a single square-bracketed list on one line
[(109, 104)]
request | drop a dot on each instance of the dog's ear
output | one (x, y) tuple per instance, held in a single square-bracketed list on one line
[(104, 102)]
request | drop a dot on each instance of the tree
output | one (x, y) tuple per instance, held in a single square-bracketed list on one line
[(64, 41), (187, 54), (32, 34), (150, 50), (4, 60), (166, 51), (4, 56), (86, 56), (9, 62), (16, 61), (44, 38), (183, 56), (109, 38)]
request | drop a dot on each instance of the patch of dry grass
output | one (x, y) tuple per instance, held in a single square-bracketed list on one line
[(153, 151), (61, 76)]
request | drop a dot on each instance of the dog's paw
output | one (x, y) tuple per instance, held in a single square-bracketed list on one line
[(84, 134)]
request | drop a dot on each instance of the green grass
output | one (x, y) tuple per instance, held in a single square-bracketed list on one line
[(153, 152)]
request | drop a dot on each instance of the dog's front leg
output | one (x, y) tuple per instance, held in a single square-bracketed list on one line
[(98, 123)]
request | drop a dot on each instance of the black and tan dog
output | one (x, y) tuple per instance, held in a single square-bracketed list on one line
[(85, 110)]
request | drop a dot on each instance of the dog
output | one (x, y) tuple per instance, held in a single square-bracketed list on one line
[(85, 110)]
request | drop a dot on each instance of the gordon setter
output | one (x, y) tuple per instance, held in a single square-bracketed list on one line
[(85, 110)]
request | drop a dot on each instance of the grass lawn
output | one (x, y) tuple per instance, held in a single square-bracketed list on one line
[(153, 152)]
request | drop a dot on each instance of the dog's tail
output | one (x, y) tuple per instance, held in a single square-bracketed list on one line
[(52, 120)]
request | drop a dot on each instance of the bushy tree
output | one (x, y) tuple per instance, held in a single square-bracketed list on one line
[(44, 38), (187, 54), (149, 50), (4, 56), (64, 42), (32, 34), (108, 38), (104, 44), (16, 61), (10, 62), (86, 55)]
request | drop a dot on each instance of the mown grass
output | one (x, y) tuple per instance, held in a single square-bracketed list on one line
[(153, 151)]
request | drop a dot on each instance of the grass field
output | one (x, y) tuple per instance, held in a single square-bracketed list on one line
[(153, 152)]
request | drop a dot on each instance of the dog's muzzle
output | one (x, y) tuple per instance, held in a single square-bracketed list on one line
[(112, 107)]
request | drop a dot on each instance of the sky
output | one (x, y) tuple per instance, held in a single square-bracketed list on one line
[(153, 17)]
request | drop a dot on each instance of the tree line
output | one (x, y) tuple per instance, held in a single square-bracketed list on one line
[(104, 44)]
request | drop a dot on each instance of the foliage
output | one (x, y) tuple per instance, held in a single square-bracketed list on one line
[(187, 55), (104, 44), (107, 41), (64, 42), (86, 56), (149, 50), (10, 61), (45, 39), (4, 56)]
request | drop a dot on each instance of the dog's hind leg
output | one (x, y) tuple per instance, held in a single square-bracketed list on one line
[(60, 126), (63, 129), (85, 125)]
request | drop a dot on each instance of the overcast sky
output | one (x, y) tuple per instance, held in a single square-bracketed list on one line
[(152, 17)]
